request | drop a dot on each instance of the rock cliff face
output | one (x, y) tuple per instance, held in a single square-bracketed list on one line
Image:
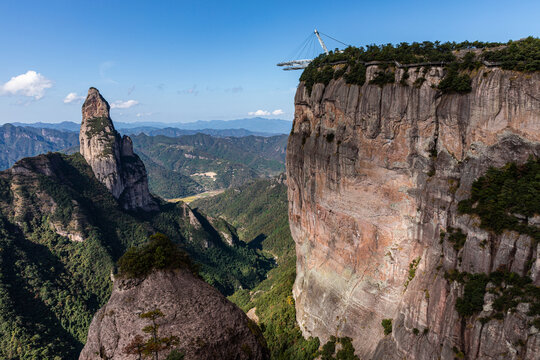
[(207, 325), (111, 157), (374, 176)]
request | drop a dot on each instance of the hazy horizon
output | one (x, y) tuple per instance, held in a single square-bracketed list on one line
[(142, 121)]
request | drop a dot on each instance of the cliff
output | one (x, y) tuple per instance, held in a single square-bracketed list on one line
[(205, 323), (375, 175), (111, 157)]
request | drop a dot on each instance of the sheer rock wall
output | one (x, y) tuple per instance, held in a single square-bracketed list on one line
[(374, 175)]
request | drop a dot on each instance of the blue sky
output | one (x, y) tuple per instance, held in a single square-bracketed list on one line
[(199, 60)]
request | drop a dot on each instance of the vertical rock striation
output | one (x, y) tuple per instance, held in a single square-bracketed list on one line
[(374, 175), (111, 157)]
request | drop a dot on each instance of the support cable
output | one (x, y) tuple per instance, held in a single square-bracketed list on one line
[(341, 42)]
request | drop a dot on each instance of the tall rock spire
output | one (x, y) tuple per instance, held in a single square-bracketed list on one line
[(111, 157)]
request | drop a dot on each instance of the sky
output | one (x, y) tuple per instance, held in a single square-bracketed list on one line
[(182, 61)]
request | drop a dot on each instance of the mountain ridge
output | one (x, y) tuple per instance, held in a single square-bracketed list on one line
[(255, 125)]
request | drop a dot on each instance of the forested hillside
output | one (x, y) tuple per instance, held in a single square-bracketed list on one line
[(177, 166), (17, 142), (61, 234), (209, 162)]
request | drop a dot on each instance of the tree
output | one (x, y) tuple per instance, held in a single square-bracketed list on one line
[(135, 347), (154, 344)]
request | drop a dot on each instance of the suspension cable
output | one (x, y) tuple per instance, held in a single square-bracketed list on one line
[(341, 42)]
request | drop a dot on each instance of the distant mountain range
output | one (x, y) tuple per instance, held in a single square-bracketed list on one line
[(175, 132), (178, 164), (17, 142), (241, 127)]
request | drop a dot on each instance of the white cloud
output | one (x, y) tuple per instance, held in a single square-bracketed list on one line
[(124, 104), (73, 97), (31, 84), (266, 113), (259, 113), (143, 114)]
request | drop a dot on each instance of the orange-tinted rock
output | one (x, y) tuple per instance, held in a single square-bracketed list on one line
[(367, 197)]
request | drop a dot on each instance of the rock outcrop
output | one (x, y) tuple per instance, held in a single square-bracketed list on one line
[(111, 156), (374, 175), (207, 325)]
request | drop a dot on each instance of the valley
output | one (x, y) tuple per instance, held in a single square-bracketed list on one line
[(397, 216)]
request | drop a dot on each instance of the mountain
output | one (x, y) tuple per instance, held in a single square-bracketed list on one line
[(111, 156), (17, 142), (209, 162), (233, 160), (185, 314), (413, 194), (175, 132), (256, 124), (241, 127), (63, 231), (62, 126)]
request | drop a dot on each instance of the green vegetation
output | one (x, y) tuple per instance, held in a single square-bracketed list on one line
[(97, 125), (505, 198), (159, 253), (182, 166), (509, 289), (355, 76), (456, 237), (154, 344), (522, 55), (167, 183), (259, 212), (51, 287), (454, 81), (383, 77), (404, 78), (412, 271), (346, 351), (19, 142), (387, 326)]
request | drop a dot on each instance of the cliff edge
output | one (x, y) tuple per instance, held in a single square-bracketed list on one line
[(375, 175)]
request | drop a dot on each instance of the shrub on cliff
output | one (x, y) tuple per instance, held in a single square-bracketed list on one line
[(387, 326), (454, 82), (522, 55), (505, 198), (159, 253)]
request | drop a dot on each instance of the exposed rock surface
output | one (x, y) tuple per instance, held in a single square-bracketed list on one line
[(111, 157), (207, 325), (367, 196)]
